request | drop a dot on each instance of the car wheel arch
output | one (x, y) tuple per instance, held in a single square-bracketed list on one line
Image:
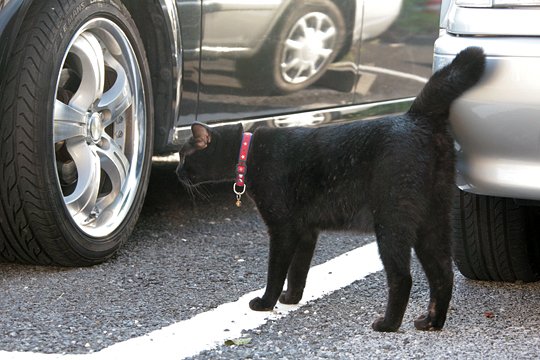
[(161, 37)]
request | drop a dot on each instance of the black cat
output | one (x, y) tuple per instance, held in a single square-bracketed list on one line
[(304, 180)]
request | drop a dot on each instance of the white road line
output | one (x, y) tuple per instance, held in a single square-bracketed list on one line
[(208, 330)]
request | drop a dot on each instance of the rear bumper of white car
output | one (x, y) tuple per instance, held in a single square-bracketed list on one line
[(497, 123)]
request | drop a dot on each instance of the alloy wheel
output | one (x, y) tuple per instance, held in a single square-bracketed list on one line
[(98, 127), (308, 46)]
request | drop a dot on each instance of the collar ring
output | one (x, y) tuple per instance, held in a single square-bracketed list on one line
[(239, 192)]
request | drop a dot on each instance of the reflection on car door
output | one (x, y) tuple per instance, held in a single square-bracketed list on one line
[(263, 58), (395, 61), (274, 57)]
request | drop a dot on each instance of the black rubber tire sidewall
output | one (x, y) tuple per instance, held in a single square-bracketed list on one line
[(59, 239), (490, 239)]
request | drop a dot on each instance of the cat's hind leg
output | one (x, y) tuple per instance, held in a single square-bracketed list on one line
[(299, 268), (395, 251), (433, 251), (283, 244)]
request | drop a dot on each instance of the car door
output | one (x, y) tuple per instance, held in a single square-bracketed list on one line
[(396, 54), (263, 58)]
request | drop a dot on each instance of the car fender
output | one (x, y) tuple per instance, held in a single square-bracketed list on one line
[(159, 25), (173, 26)]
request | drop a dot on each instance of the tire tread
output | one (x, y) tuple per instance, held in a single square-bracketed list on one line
[(489, 239), (29, 232)]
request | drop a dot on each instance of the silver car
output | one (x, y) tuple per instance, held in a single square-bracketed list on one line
[(497, 131)]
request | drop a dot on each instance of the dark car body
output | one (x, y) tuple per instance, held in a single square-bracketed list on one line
[(220, 61)]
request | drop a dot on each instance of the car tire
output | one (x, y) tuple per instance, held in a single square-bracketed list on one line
[(77, 133), (493, 240), (306, 41)]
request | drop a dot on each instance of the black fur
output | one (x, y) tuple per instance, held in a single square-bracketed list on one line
[(304, 180)]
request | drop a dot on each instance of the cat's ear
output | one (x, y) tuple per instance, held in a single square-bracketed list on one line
[(200, 138), (202, 135)]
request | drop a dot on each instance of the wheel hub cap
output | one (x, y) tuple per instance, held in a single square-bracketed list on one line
[(312, 47), (95, 127)]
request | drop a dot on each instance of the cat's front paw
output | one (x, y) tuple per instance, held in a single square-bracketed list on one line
[(425, 323), (382, 326), (290, 299), (259, 304)]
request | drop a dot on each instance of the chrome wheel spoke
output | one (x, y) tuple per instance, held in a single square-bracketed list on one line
[(92, 68), (304, 27), (299, 71), (328, 34), (118, 98), (295, 62), (319, 20), (293, 44), (69, 122), (116, 166), (81, 202), (311, 69), (323, 55)]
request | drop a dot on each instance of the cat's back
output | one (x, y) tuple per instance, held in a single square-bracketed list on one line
[(320, 153), (327, 137), (328, 174)]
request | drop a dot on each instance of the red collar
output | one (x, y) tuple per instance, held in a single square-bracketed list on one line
[(241, 167)]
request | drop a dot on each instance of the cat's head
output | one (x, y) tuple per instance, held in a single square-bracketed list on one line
[(210, 154)]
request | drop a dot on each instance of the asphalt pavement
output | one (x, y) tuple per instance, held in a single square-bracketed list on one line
[(189, 255)]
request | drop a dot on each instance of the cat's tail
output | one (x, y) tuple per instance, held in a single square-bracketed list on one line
[(449, 83)]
